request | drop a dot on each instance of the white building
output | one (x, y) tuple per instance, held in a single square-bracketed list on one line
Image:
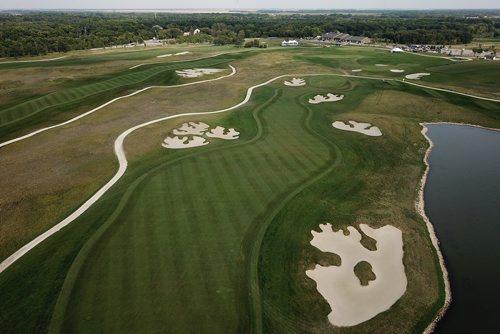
[(396, 50), (290, 43)]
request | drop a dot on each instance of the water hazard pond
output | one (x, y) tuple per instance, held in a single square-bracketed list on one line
[(462, 199)]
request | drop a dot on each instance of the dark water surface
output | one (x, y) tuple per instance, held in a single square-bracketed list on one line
[(462, 200)]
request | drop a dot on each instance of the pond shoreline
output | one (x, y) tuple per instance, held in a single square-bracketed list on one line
[(420, 207)]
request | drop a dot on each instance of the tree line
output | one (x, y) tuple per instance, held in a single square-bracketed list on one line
[(37, 33)]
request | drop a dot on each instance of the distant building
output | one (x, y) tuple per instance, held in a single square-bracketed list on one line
[(196, 31), (467, 53), (396, 50), (339, 37), (358, 40), (290, 43), (152, 42)]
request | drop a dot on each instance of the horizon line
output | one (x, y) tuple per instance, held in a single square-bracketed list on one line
[(254, 9)]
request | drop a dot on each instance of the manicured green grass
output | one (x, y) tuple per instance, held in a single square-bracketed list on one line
[(476, 76), (198, 228)]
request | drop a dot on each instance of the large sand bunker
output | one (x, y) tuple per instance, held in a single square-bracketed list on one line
[(197, 131), (351, 302), (416, 76), (197, 72), (220, 132), (364, 128), (328, 98), (191, 128), (295, 82), (184, 142)]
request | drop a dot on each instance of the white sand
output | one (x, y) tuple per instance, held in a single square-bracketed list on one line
[(184, 142), (328, 98), (192, 129), (351, 302), (196, 131), (416, 76), (381, 65), (364, 128), (197, 72), (182, 53), (295, 82), (356, 70), (397, 71), (166, 55), (220, 132)]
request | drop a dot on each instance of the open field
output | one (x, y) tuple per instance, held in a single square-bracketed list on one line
[(216, 238)]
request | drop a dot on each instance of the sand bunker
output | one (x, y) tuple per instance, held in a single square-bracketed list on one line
[(351, 302), (381, 65), (328, 98), (356, 70), (197, 72), (182, 53), (220, 132), (191, 128), (192, 134), (163, 56), (295, 82), (397, 71), (416, 76), (184, 142), (364, 128)]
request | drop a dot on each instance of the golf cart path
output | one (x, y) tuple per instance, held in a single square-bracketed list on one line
[(122, 160)]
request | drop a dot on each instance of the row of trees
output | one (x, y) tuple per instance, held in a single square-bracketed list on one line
[(29, 33)]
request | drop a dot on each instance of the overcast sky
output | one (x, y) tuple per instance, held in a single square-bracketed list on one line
[(149, 4)]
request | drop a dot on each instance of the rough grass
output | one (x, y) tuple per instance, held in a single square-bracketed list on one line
[(363, 271)]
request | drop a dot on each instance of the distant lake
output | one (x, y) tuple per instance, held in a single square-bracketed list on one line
[(462, 200)]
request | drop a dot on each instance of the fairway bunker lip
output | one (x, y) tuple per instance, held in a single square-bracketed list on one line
[(197, 72), (330, 97), (351, 302), (295, 82), (363, 128), (417, 76), (194, 134), (177, 142)]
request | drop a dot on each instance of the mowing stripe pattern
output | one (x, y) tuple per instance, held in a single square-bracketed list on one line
[(174, 258)]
